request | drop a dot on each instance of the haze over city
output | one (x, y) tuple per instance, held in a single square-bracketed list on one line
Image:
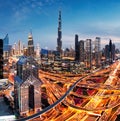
[(87, 18)]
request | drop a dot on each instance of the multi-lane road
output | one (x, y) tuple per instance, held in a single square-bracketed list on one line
[(102, 105)]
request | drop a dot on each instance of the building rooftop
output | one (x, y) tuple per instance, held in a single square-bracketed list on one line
[(22, 60), (18, 80)]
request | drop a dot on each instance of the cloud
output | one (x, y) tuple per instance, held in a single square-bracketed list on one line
[(20, 15), (22, 9)]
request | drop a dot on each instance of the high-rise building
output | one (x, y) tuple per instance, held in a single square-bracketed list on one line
[(97, 52), (27, 84), (20, 48), (107, 56), (106, 51), (110, 52), (17, 49), (59, 39), (38, 51), (81, 51), (30, 45), (113, 51), (76, 48), (88, 53), (1, 58), (6, 47)]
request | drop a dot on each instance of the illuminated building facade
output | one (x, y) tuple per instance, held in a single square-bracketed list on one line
[(20, 48), (38, 51), (30, 45), (27, 86)]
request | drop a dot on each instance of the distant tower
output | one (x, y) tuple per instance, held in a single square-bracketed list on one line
[(97, 51), (81, 51), (107, 56), (14, 49), (76, 48), (89, 53), (19, 47), (59, 41), (30, 45), (113, 51), (110, 51), (38, 51), (6, 47)]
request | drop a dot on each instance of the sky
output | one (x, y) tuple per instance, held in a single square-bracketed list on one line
[(87, 18)]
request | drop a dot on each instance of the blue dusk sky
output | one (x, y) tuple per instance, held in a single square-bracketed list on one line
[(87, 18)]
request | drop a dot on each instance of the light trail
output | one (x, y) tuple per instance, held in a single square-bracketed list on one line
[(61, 99)]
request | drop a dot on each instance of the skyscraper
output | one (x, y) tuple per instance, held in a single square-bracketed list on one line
[(76, 48), (27, 86), (110, 52), (97, 52), (1, 58), (30, 45), (81, 51), (6, 47), (113, 51), (107, 56), (59, 41), (38, 51), (89, 53), (20, 48)]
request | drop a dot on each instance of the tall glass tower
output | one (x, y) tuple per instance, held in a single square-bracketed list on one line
[(81, 51), (76, 48), (6, 47), (59, 41), (30, 45), (89, 53), (97, 51)]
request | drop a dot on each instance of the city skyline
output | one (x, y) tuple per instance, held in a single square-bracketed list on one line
[(87, 18)]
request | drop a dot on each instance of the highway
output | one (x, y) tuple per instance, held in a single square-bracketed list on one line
[(93, 103), (102, 105), (54, 104), (96, 116)]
